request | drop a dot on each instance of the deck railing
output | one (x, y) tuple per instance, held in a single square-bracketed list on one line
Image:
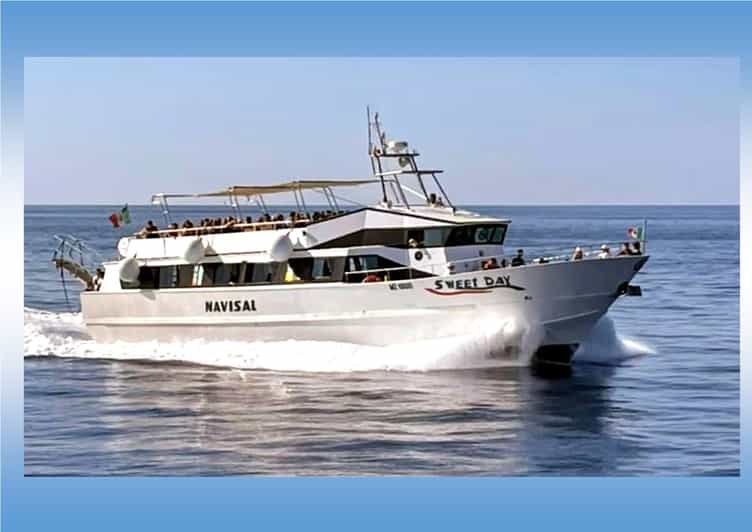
[(233, 227), (590, 252)]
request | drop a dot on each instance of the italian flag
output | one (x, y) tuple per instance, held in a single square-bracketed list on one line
[(123, 217), (636, 233)]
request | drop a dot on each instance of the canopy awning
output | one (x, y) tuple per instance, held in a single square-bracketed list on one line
[(255, 190)]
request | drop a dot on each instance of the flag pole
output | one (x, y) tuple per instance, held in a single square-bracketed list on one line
[(645, 236)]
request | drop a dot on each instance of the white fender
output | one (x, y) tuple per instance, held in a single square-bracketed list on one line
[(281, 248), (128, 270), (194, 251)]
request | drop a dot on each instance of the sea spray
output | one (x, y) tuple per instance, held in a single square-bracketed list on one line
[(605, 346), (493, 342)]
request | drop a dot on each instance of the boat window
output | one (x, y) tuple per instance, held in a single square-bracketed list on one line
[(322, 268), (168, 277), (209, 271), (315, 268), (390, 270), (458, 235), (483, 234), (147, 277), (435, 237), (185, 276)]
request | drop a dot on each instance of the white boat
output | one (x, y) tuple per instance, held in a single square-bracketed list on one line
[(395, 271)]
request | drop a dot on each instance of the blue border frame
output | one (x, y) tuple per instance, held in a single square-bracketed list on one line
[(342, 29)]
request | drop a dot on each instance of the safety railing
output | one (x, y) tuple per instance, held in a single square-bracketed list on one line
[(76, 250), (232, 227), (589, 252)]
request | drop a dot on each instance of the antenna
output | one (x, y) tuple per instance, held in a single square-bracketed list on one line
[(368, 118)]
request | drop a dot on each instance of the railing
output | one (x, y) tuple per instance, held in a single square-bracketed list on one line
[(76, 250), (74, 256), (590, 252), (228, 228)]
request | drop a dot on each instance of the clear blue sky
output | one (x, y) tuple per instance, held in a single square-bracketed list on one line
[(506, 130)]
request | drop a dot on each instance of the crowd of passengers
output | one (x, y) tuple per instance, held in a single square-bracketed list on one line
[(627, 248), (231, 224)]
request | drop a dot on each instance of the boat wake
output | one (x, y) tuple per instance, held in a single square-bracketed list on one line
[(63, 335)]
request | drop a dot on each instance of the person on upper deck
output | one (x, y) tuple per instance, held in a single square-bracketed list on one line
[(624, 250), (149, 230), (605, 252), (577, 255), (519, 259)]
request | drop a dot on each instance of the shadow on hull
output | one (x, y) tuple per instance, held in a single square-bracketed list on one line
[(554, 360)]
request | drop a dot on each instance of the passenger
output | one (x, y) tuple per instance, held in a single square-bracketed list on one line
[(636, 249), (577, 255), (149, 230), (605, 252), (450, 268), (503, 263), (541, 260), (493, 264), (432, 199), (371, 278), (97, 281), (411, 242), (519, 259), (187, 227), (439, 202), (624, 250)]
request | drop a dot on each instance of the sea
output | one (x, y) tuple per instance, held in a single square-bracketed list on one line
[(653, 392)]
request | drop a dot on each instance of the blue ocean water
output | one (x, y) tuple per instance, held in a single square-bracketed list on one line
[(654, 392)]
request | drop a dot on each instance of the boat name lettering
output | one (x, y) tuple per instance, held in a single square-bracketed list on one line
[(230, 305), (476, 283)]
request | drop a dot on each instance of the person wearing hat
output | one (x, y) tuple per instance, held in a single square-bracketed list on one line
[(577, 255), (518, 259), (605, 252)]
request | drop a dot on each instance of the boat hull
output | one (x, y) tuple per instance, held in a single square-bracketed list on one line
[(557, 303)]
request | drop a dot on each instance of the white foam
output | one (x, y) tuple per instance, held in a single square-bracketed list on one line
[(63, 334), (607, 347)]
